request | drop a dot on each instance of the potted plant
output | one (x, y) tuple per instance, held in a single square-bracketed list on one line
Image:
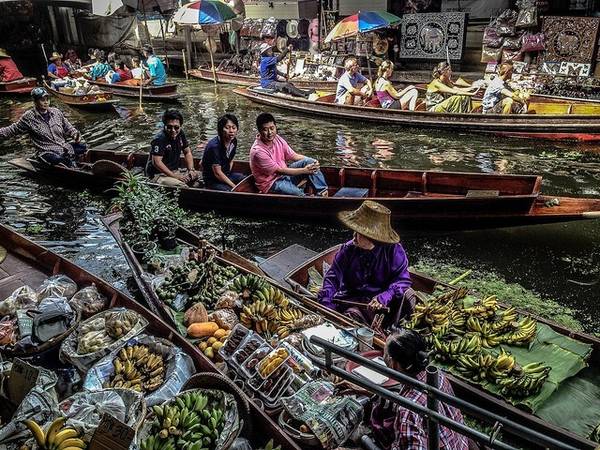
[(165, 231), (143, 250)]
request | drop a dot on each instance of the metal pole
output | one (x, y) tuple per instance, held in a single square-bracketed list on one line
[(433, 429)]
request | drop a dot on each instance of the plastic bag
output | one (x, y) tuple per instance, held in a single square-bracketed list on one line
[(68, 349), (93, 341), (57, 286), (491, 37), (179, 368), (512, 43), (8, 331), (511, 55), (490, 54), (527, 18), (228, 300), (22, 298), (225, 318), (89, 301), (533, 42), (85, 409), (118, 323)]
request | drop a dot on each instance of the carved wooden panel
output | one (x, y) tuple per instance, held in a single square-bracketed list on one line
[(427, 36), (571, 39)]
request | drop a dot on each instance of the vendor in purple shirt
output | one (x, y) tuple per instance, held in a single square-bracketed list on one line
[(372, 269)]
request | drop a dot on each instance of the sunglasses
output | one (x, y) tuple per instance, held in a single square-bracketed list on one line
[(172, 127)]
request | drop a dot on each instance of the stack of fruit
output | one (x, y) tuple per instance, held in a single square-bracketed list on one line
[(462, 335), (192, 422), (247, 285), (58, 437), (137, 367)]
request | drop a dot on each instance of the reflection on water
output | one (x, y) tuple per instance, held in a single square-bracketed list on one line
[(543, 258)]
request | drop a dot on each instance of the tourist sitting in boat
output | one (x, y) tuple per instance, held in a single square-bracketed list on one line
[(443, 96), (352, 84), (268, 161), (123, 71), (269, 73), (165, 153), (49, 131), (386, 93), (217, 160), (100, 68), (8, 69), (396, 427), (369, 274), (498, 98), (72, 61), (156, 68)]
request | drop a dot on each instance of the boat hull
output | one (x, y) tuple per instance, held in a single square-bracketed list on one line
[(411, 211), (539, 126), (94, 102), (18, 87), (239, 79), (165, 93)]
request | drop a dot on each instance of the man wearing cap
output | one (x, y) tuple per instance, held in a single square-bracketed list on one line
[(156, 69), (371, 269), (8, 68), (268, 72), (48, 130)]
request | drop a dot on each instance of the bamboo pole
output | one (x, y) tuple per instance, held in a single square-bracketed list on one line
[(289, 66), (212, 61), (185, 69), (162, 31)]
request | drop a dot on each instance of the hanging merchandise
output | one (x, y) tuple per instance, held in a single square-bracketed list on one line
[(380, 46), (490, 54), (491, 38), (282, 43), (527, 18), (533, 42), (433, 36), (303, 25), (291, 29), (511, 55), (506, 23), (512, 43), (571, 39)]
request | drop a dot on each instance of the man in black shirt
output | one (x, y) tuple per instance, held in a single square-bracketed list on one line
[(165, 153)]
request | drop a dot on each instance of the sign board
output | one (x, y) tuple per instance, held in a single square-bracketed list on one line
[(23, 377), (111, 434)]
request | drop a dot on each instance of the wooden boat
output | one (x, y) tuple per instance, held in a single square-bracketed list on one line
[(421, 283), (22, 86), (29, 263), (164, 93), (417, 199), (240, 79), (554, 121), (96, 101), (298, 279)]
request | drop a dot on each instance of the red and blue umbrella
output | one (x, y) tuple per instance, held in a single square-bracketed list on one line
[(363, 22), (204, 12)]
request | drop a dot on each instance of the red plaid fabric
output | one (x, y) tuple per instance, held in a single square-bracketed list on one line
[(411, 428)]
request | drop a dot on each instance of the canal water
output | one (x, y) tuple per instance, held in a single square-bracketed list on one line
[(559, 261)]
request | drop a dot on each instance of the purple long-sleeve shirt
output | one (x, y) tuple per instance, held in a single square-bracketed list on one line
[(363, 274)]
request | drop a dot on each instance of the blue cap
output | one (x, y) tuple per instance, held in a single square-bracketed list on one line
[(39, 92)]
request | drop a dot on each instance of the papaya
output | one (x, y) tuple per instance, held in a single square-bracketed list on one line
[(202, 329)]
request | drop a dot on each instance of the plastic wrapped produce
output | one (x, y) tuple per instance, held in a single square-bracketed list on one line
[(57, 286), (22, 298), (88, 301)]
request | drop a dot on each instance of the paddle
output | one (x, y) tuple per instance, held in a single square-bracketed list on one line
[(140, 107), (289, 66)]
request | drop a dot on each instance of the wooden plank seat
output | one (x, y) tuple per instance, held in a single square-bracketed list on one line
[(351, 192)]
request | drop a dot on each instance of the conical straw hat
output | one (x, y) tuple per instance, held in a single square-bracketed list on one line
[(3, 53), (372, 220)]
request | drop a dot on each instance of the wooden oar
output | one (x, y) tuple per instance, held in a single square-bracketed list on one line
[(289, 66), (363, 305)]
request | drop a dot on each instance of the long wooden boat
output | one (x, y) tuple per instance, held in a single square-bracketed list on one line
[(22, 86), (554, 121), (29, 263), (298, 279), (420, 282), (96, 101), (163, 93), (240, 79), (417, 199)]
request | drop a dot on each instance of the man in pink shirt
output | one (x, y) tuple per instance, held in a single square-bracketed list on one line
[(268, 161)]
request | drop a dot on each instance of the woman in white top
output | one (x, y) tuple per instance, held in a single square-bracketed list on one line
[(387, 94)]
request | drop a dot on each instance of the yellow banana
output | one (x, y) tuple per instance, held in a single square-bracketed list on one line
[(53, 430), (64, 434), (37, 431), (71, 442)]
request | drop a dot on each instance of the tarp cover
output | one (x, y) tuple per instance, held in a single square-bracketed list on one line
[(104, 32)]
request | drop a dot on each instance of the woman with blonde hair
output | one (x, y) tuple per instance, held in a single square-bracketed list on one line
[(443, 96), (388, 97)]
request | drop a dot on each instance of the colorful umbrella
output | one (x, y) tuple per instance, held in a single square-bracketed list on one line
[(204, 12), (362, 22)]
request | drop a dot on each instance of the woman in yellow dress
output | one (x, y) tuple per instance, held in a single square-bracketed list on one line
[(443, 96)]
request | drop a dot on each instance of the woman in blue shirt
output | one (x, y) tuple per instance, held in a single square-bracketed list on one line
[(219, 152)]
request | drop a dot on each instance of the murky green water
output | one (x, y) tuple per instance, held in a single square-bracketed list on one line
[(546, 259)]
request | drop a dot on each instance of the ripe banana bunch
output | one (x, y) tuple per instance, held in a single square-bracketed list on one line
[(507, 320), (191, 422), (260, 315), (289, 314), (524, 333), (271, 294), (247, 284), (502, 368), (486, 332), (451, 296), (530, 382), (137, 368), (484, 308), (452, 350), (58, 437)]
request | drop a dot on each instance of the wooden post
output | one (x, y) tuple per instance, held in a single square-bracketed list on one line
[(162, 31), (185, 69), (212, 61), (188, 45), (289, 66)]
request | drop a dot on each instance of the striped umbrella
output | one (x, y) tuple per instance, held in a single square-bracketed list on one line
[(204, 12), (362, 22)]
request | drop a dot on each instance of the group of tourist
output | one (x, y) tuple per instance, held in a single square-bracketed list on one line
[(443, 95)]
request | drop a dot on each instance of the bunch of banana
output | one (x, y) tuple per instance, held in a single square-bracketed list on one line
[(503, 367), (523, 334), (452, 350), (431, 314), (507, 319), (530, 382), (451, 296), (58, 437), (137, 368), (246, 285), (485, 331), (271, 294), (300, 322), (289, 314), (260, 316), (484, 308), (191, 422)]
